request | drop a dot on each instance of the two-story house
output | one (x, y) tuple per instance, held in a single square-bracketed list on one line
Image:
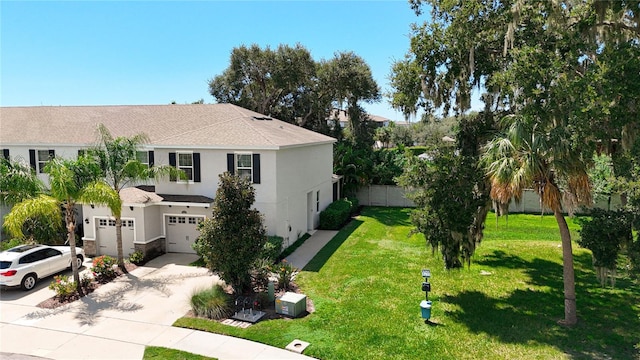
[(290, 167)]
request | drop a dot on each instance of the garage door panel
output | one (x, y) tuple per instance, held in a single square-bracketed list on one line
[(106, 235), (181, 233)]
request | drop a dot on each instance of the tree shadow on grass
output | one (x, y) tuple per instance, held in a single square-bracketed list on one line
[(608, 326), (388, 216), (327, 251)]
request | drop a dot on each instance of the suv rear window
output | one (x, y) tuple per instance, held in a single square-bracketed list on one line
[(5, 264)]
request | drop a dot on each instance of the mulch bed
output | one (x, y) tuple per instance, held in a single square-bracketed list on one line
[(56, 301)]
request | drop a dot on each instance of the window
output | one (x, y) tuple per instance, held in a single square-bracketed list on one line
[(192, 220), (181, 220), (172, 219), (185, 163), (129, 223), (102, 222), (43, 157), (318, 201), (112, 222), (143, 157), (5, 154), (244, 166)]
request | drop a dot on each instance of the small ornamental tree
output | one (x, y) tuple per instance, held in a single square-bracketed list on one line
[(233, 238), (604, 233)]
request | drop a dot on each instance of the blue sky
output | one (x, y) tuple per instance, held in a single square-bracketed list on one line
[(155, 52)]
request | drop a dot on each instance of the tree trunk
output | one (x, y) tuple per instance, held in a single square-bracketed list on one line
[(71, 238), (119, 244), (570, 316)]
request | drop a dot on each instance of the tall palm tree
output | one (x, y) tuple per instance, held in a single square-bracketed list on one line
[(529, 156), (120, 166), (71, 182)]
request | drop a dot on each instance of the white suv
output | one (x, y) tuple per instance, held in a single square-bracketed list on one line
[(23, 265)]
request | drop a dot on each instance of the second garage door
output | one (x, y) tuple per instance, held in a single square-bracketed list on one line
[(182, 232)]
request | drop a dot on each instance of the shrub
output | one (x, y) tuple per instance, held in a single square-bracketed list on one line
[(137, 257), (63, 286), (337, 213), (284, 272), (104, 268), (213, 303), (6, 245), (260, 273), (272, 248)]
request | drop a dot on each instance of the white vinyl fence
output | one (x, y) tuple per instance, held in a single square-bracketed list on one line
[(394, 196)]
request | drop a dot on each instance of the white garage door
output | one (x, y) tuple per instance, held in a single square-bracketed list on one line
[(182, 232), (106, 236)]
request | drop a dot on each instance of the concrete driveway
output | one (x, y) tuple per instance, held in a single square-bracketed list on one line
[(119, 319)]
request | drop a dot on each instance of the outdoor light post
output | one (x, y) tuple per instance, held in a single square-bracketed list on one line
[(425, 305)]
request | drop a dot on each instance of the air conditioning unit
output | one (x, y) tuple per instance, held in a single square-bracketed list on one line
[(291, 304)]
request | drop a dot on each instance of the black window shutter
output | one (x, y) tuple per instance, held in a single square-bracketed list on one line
[(256, 168), (196, 167), (5, 153), (231, 163), (172, 162), (52, 154), (32, 159), (151, 162)]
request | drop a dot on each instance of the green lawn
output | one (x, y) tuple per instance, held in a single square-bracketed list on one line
[(365, 285), (162, 353)]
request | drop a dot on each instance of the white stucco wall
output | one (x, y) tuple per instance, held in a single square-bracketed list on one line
[(300, 171)]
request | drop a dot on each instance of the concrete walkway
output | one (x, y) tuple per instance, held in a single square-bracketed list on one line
[(121, 318), (301, 257)]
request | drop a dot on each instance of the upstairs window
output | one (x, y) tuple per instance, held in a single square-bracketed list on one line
[(188, 162), (246, 165), (39, 158)]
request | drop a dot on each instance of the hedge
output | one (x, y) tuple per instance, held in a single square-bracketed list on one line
[(337, 213)]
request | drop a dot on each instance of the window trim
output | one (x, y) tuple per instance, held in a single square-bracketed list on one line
[(192, 166), (237, 167)]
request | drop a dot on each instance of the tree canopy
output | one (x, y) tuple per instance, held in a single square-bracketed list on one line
[(287, 83), (548, 68)]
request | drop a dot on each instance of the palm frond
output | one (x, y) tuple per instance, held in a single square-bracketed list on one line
[(42, 205)]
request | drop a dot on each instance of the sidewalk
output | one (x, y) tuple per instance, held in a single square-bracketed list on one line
[(301, 257), (121, 318)]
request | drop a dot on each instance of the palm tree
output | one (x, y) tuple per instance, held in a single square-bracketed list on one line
[(18, 182), (118, 159), (528, 156), (71, 182)]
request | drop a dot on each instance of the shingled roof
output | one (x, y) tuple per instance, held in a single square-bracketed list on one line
[(223, 126)]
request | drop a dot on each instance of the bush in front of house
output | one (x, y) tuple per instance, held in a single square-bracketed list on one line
[(272, 248), (104, 268), (213, 303), (136, 257), (337, 213)]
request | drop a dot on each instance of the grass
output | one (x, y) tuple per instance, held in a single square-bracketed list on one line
[(365, 285), (162, 353)]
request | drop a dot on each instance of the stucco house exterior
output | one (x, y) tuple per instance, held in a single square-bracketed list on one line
[(290, 167)]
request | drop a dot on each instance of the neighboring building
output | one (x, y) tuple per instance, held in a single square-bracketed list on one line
[(290, 167), (343, 119)]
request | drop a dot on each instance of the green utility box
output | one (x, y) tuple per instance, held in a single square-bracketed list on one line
[(291, 304)]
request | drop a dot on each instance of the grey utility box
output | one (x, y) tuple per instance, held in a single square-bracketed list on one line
[(291, 304)]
